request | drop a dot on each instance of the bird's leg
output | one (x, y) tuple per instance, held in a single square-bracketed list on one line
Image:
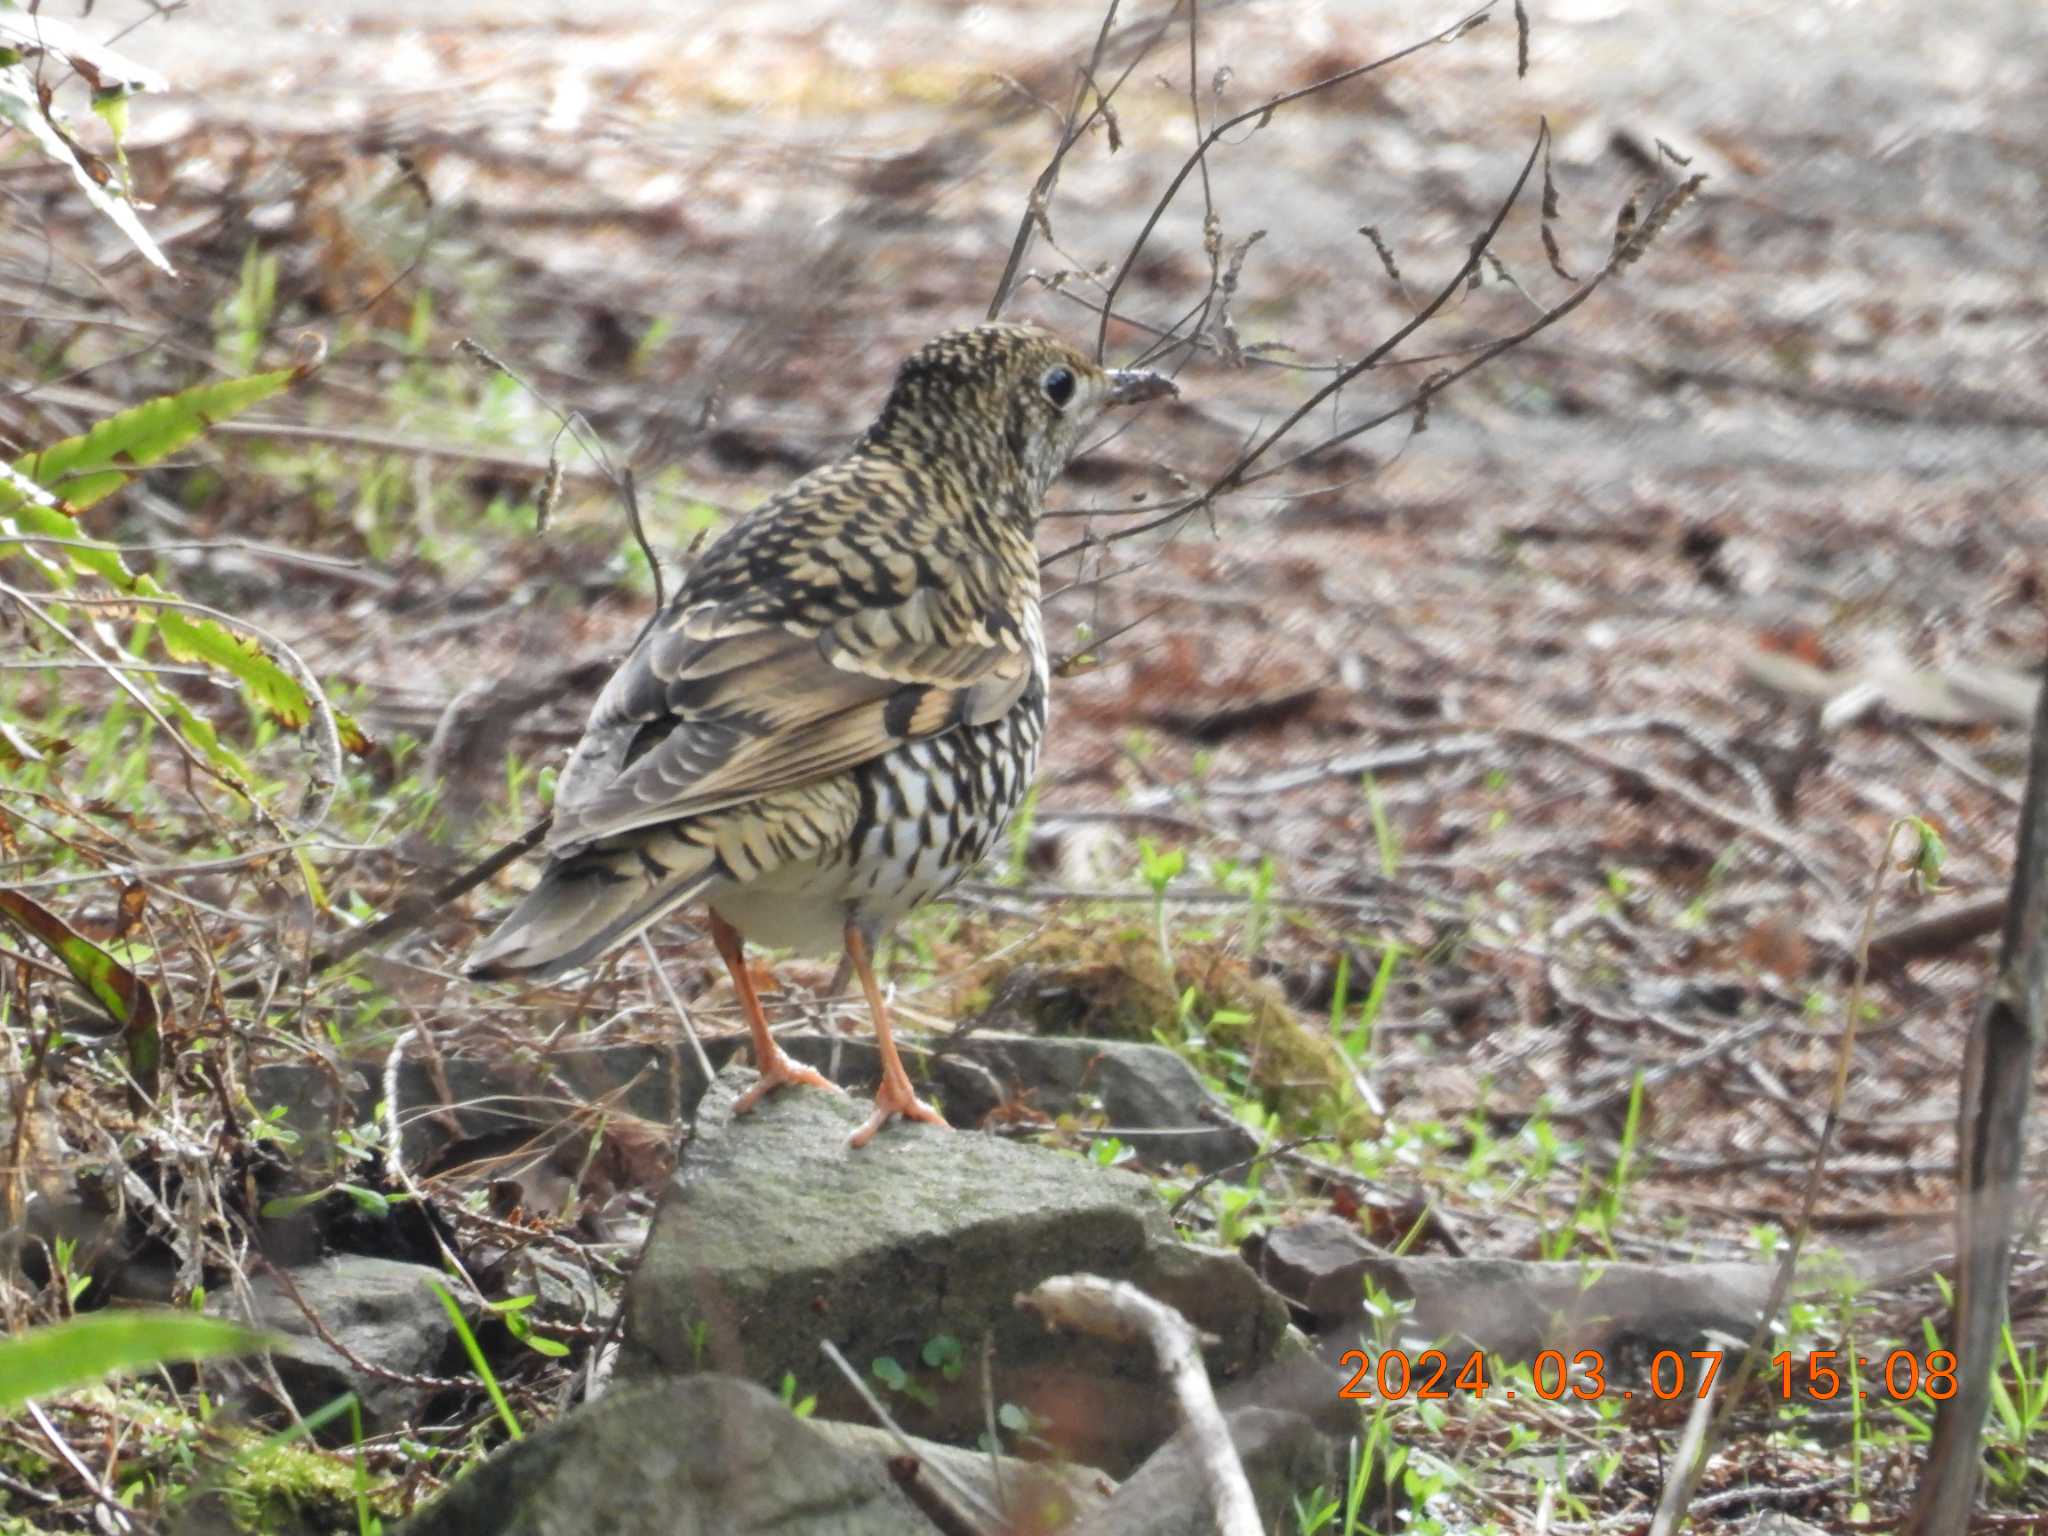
[(895, 1096), (770, 1061)]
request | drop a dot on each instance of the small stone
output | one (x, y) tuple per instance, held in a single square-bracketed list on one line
[(1513, 1308), (379, 1310), (774, 1237), (1149, 1094), (1283, 1455), (706, 1456)]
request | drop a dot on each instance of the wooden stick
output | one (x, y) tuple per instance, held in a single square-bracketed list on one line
[(413, 909), (1937, 933), (1112, 1309), (1998, 1078)]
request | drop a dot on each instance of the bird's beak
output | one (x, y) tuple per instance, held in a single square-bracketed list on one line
[(1134, 386)]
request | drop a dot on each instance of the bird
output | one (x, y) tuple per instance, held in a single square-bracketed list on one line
[(835, 716)]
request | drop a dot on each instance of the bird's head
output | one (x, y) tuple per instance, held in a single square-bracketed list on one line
[(1004, 402)]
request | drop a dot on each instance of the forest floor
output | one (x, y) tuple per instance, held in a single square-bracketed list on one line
[(1546, 743)]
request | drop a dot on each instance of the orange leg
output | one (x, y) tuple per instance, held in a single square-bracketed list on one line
[(895, 1096), (775, 1067)]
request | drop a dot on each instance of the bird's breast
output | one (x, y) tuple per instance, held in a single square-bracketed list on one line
[(929, 813)]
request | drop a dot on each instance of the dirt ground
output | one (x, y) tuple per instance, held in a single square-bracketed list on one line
[(1556, 626), (1641, 645)]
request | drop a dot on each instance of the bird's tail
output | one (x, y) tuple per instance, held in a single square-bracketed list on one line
[(585, 905)]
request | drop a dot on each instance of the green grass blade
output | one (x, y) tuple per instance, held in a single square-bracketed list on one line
[(82, 1350), (23, 104), (476, 1358), (92, 466), (123, 995), (86, 469)]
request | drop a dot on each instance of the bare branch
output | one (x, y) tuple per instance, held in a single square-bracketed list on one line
[(1239, 473), (1114, 1309), (1261, 114), (1998, 1075), (1035, 213)]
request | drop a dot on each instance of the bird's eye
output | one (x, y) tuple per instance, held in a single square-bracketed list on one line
[(1058, 385)]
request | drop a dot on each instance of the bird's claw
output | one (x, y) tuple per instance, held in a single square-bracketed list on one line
[(895, 1098), (778, 1071)]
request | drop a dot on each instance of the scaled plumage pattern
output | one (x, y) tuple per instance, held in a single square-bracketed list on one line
[(842, 706)]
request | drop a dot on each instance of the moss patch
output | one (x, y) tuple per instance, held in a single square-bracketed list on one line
[(295, 1488), (1110, 982)]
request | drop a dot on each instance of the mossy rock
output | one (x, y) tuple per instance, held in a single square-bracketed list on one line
[(273, 1490), (1110, 982), (775, 1236)]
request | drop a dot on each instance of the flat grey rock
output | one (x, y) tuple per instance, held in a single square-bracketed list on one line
[(707, 1456), (1037, 1495), (379, 1310), (775, 1236), (1283, 1455), (1513, 1308), (1149, 1094), (1151, 1097)]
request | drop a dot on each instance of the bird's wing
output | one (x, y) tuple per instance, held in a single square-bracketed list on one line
[(723, 702)]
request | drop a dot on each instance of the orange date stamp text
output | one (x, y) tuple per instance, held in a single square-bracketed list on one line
[(1397, 1375)]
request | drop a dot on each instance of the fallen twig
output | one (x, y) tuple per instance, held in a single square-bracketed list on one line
[(1998, 1077), (976, 1508), (905, 1471), (1691, 1463), (413, 910), (1937, 933), (116, 1514), (1112, 1309), (675, 1002)]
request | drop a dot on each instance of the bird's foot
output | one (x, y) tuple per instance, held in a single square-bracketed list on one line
[(778, 1071), (895, 1097)]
